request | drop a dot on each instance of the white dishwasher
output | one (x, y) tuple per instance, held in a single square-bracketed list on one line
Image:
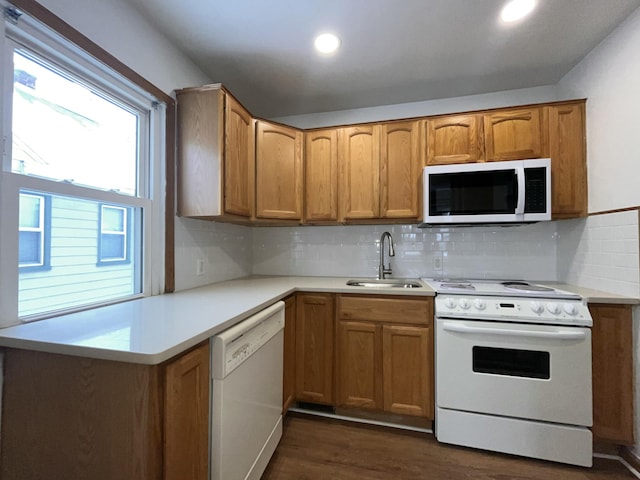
[(246, 400)]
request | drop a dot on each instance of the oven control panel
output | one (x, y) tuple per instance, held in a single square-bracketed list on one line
[(514, 309)]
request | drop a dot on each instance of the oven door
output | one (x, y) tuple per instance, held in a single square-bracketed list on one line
[(537, 372)]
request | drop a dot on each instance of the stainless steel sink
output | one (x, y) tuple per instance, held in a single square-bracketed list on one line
[(386, 283)]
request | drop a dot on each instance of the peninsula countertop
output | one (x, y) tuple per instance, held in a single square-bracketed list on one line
[(154, 329)]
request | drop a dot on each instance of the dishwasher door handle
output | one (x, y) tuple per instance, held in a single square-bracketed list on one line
[(512, 332)]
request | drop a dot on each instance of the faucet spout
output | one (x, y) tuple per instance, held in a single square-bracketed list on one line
[(382, 270)]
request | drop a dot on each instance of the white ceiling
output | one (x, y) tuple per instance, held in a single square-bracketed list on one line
[(393, 51)]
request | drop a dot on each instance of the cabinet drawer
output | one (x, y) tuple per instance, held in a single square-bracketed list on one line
[(388, 309)]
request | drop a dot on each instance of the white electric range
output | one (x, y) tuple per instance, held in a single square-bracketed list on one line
[(513, 369)]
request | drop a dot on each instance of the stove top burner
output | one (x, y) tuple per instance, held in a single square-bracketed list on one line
[(457, 286), (526, 287)]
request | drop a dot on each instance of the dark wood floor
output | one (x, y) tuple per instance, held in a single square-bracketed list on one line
[(314, 448)]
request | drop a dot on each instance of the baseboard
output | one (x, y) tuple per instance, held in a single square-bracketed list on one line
[(631, 458)]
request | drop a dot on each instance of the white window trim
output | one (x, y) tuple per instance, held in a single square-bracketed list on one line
[(39, 38), (123, 233), (40, 229)]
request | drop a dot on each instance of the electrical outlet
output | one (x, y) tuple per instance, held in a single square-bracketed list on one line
[(437, 261), (200, 266)]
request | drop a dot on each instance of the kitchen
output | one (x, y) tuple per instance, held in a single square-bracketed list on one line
[(575, 251)]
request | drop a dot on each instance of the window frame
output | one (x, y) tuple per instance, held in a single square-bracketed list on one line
[(38, 34), (126, 234), (45, 232)]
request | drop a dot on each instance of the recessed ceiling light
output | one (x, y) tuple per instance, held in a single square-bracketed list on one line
[(327, 43), (517, 9)]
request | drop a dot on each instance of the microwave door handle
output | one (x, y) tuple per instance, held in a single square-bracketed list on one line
[(509, 332), (521, 192)]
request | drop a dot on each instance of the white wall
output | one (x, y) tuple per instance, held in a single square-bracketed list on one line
[(609, 77), (127, 35), (508, 98)]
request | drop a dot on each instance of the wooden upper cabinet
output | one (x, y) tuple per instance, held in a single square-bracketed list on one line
[(238, 159), (359, 160), (568, 160), (400, 164), (278, 171), (514, 134), (215, 155), (454, 139), (321, 176)]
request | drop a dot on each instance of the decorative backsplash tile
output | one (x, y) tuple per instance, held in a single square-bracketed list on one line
[(225, 251), (602, 252), (527, 251)]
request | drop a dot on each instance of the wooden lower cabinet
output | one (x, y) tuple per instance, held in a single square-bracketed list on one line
[(407, 370), (73, 417), (289, 354), (186, 416), (612, 360), (314, 347), (385, 354)]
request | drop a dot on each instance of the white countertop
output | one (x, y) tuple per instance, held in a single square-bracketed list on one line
[(154, 329)]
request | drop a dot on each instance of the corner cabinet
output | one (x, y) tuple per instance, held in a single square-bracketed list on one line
[(215, 144), (385, 354), (278, 172), (612, 360), (74, 417)]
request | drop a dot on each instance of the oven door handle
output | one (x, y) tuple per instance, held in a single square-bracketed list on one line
[(510, 332)]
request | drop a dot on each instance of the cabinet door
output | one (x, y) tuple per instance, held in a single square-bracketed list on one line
[(278, 172), (408, 370), (359, 160), (200, 138), (454, 139), (186, 416), (400, 164), (289, 360), (359, 366), (321, 176), (513, 134), (238, 159), (314, 348), (612, 360), (568, 160)]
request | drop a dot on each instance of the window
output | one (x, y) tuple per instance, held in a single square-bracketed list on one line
[(83, 162), (113, 240), (33, 225)]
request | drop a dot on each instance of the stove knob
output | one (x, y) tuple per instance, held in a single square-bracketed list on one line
[(570, 309), (450, 303), (537, 307), (479, 304), (553, 308), (464, 303)]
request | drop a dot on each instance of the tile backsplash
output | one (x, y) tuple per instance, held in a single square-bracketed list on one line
[(526, 251), (224, 250), (601, 252)]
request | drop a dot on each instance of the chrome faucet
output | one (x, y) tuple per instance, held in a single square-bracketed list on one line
[(382, 271)]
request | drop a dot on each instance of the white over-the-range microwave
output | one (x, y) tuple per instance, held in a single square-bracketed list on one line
[(487, 193)]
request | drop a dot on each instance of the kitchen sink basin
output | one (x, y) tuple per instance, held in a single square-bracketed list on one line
[(386, 283)]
